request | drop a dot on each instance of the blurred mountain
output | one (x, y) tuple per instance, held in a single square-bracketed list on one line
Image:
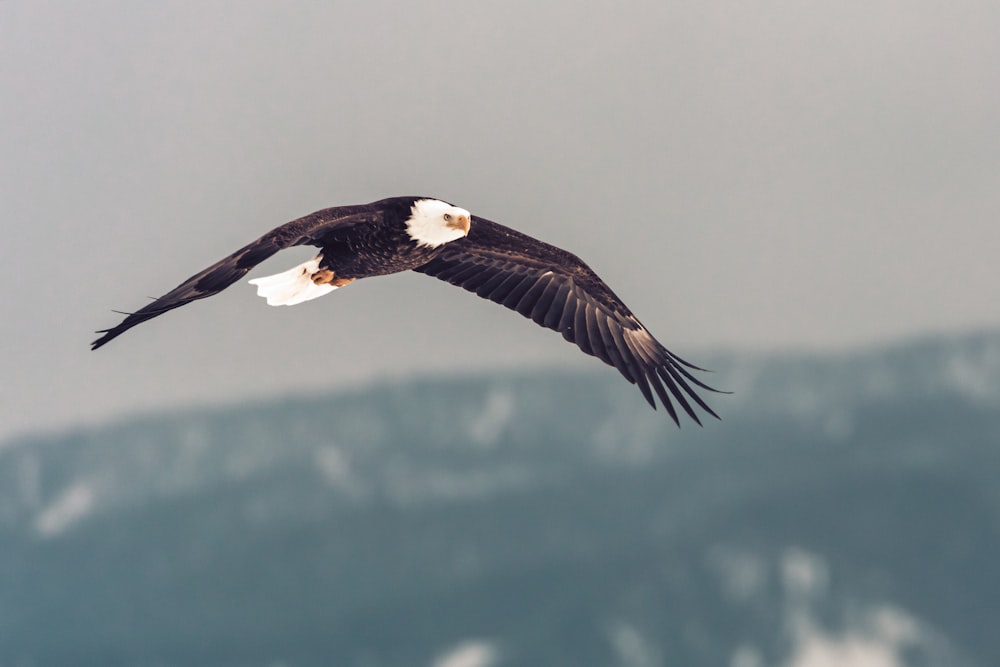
[(845, 512)]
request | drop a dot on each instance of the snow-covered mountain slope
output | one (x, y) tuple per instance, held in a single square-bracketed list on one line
[(845, 512)]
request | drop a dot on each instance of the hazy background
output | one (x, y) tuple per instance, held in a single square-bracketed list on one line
[(801, 195), (765, 174)]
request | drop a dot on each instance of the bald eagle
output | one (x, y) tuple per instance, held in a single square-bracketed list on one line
[(550, 286)]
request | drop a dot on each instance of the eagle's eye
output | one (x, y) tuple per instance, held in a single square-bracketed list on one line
[(447, 217)]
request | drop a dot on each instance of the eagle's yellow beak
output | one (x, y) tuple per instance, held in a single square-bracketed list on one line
[(460, 222)]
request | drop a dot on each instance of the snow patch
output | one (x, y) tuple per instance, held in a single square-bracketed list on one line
[(470, 653), (632, 649), (410, 486), (819, 650), (333, 463), (804, 574), (881, 637), (492, 419), (976, 376), (746, 656), (72, 506), (742, 575), (335, 466), (882, 642)]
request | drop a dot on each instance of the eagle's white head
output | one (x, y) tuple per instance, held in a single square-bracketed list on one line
[(433, 222)]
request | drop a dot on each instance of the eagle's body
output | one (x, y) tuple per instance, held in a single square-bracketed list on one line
[(552, 287), (368, 241)]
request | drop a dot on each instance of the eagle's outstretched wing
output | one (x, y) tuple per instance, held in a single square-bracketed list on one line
[(557, 290), (309, 230)]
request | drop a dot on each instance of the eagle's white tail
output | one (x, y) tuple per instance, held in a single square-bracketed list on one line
[(292, 286)]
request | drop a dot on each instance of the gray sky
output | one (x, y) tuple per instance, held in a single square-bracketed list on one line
[(745, 175)]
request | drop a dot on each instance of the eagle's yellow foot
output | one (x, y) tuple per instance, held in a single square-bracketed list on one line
[(326, 277), (322, 277)]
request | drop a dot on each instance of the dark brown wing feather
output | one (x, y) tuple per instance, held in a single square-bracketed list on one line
[(557, 290), (313, 229)]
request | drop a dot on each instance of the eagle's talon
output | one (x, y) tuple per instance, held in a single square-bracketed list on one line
[(322, 277)]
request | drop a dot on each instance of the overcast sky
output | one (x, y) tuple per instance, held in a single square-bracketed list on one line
[(747, 175)]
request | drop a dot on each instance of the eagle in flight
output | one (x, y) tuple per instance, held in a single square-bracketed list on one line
[(552, 287)]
